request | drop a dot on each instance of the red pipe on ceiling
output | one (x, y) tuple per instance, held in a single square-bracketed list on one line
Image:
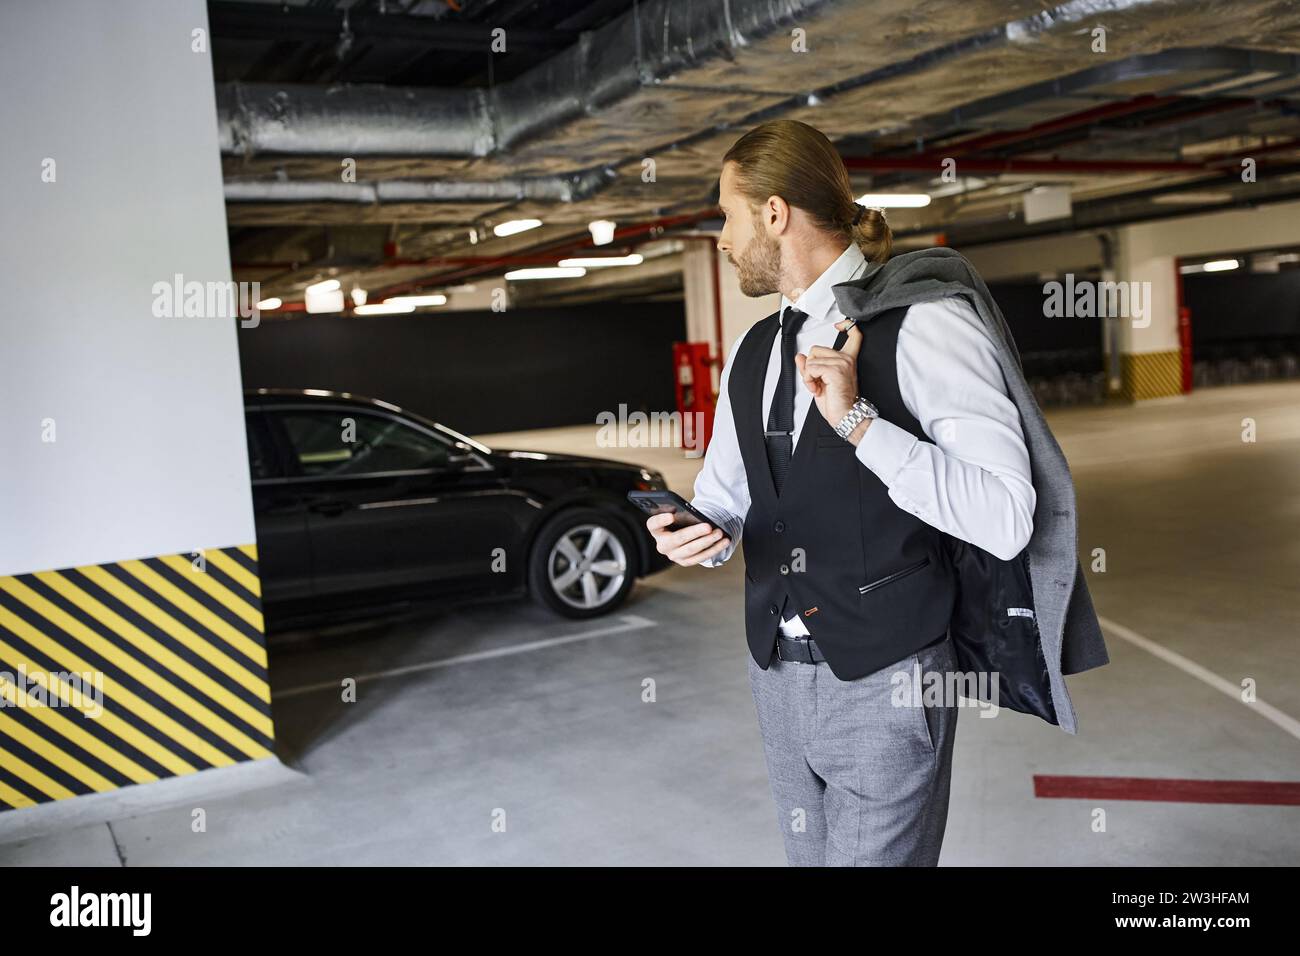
[(933, 162)]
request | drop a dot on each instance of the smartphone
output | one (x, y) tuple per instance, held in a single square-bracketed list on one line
[(668, 502)]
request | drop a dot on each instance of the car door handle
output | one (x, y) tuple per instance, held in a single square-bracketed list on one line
[(332, 508)]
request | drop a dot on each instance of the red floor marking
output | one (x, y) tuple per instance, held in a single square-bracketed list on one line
[(1262, 792)]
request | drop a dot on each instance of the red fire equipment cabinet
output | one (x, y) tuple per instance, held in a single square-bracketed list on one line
[(693, 377)]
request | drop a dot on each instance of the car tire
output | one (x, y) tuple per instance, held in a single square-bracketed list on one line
[(583, 563)]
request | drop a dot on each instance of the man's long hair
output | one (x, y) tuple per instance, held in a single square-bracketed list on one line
[(797, 162)]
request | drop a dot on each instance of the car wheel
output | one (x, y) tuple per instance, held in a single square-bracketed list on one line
[(583, 563)]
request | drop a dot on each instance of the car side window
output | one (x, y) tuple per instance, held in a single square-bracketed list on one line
[(262, 460), (332, 442)]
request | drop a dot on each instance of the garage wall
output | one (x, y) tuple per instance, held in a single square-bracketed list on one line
[(480, 372), (128, 575)]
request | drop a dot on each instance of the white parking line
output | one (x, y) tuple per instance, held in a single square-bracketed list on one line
[(1268, 711), (628, 622)]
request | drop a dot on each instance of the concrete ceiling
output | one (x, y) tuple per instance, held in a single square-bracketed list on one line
[(622, 111)]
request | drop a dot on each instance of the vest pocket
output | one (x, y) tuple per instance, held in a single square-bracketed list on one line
[(889, 578)]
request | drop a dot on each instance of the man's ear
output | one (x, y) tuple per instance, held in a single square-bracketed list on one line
[(776, 215)]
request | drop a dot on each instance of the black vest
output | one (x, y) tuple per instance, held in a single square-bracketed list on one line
[(870, 581)]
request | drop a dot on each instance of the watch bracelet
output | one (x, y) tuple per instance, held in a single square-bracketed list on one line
[(855, 416)]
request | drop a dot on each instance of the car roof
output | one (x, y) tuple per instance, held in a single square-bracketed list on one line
[(274, 396)]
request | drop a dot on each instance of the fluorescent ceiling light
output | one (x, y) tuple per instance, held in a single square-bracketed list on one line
[(1189, 198), (1214, 265), (514, 226), (546, 272), (266, 305), (895, 200), (414, 301), (384, 308), (329, 301), (598, 262), (358, 296), (329, 285)]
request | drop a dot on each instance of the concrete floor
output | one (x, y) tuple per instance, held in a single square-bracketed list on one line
[(506, 708)]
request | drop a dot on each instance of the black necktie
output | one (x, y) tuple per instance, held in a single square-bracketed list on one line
[(780, 417)]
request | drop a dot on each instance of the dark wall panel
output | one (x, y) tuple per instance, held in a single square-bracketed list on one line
[(481, 372), (1022, 306), (1243, 305)]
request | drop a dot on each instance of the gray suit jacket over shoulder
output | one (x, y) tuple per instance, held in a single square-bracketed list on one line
[(1070, 633)]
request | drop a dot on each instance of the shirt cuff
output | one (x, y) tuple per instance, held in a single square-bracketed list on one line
[(726, 524), (884, 448)]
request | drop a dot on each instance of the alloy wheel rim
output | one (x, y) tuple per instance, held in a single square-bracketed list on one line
[(587, 566)]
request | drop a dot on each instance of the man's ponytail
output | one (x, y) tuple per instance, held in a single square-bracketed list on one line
[(870, 230)]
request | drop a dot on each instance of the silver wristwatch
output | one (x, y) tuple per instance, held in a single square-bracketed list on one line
[(859, 413)]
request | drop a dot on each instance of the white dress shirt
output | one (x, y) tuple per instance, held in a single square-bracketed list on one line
[(973, 482)]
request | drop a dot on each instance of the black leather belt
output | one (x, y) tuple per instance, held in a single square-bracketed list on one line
[(794, 650), (804, 650)]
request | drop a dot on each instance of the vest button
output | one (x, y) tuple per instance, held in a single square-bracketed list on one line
[(773, 609), (779, 527), (785, 569)]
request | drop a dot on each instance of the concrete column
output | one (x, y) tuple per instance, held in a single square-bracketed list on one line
[(130, 600), (697, 281), (1150, 353)]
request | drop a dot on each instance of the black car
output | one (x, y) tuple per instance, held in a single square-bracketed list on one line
[(360, 504)]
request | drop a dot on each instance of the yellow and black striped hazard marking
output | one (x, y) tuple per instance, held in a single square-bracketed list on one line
[(1152, 374), (180, 656)]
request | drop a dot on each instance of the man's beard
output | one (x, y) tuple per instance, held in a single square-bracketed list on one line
[(759, 269)]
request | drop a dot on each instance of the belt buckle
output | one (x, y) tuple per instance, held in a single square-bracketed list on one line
[(806, 658)]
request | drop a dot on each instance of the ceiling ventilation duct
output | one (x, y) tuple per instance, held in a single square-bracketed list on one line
[(678, 81)]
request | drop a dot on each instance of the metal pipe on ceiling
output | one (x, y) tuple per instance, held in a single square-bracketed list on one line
[(597, 71), (567, 188), (657, 41)]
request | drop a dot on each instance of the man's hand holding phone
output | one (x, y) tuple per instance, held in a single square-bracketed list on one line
[(686, 546), (685, 536)]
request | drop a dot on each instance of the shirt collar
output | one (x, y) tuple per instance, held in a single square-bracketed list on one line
[(819, 299)]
